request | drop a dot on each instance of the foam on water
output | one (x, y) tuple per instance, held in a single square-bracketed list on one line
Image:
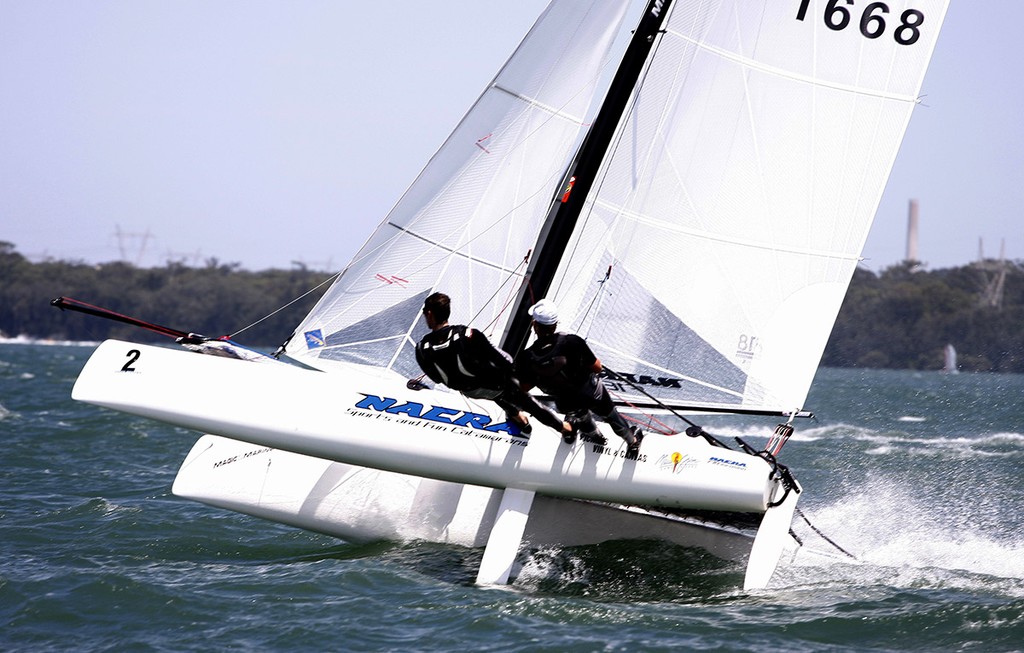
[(900, 539), (47, 342), (930, 443), (548, 563)]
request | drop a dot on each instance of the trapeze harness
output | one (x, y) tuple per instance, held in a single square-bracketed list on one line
[(448, 356)]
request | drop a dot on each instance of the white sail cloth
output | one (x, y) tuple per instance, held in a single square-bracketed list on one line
[(737, 200), (731, 210), (471, 217)]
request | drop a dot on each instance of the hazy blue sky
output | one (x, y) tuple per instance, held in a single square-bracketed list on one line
[(267, 132)]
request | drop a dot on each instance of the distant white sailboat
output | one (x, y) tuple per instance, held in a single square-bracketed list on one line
[(949, 360), (699, 224)]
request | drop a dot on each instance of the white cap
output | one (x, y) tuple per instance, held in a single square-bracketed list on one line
[(544, 312)]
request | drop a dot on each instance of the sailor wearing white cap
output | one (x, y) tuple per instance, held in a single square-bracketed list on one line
[(563, 366)]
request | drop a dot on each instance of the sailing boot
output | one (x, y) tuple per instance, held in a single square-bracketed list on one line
[(584, 424), (591, 433), (521, 421), (569, 436), (572, 421), (633, 448)]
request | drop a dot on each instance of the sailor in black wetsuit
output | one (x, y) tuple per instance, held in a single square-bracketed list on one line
[(465, 360), (563, 366)]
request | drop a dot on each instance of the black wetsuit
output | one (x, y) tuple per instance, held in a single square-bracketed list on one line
[(561, 365), (465, 360)]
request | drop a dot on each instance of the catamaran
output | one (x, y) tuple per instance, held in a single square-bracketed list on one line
[(695, 202)]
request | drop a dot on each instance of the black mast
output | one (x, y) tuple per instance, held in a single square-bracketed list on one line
[(568, 204)]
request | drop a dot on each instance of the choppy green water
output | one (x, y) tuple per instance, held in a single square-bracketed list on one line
[(918, 474)]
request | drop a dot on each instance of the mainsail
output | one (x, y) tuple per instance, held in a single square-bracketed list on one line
[(719, 236), (735, 204), (471, 218)]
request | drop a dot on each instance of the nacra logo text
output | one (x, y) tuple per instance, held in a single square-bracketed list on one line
[(735, 464), (441, 414), (658, 6)]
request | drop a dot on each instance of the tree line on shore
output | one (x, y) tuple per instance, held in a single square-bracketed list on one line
[(214, 300), (901, 318)]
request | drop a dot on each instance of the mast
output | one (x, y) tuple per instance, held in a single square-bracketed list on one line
[(579, 179)]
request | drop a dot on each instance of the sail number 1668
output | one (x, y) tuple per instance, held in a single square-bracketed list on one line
[(838, 16)]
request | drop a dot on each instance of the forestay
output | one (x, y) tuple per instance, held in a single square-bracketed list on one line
[(739, 194), (473, 215)]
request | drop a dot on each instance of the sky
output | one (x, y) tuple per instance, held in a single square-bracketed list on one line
[(273, 133)]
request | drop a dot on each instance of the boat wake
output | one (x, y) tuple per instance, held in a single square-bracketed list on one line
[(886, 442), (628, 570), (899, 540)]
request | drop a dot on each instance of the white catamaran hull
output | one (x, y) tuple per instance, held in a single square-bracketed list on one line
[(446, 465), (363, 504)]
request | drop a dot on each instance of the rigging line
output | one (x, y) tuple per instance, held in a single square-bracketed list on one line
[(822, 535), (696, 429), (508, 302), (597, 293), (651, 419), (649, 423), (297, 299)]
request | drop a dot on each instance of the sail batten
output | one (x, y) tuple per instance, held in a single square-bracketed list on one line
[(753, 64), (694, 232), (534, 102), (455, 251)]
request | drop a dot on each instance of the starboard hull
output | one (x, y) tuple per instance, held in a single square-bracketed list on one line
[(362, 504)]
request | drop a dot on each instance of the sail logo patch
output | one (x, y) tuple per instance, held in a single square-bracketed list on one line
[(725, 462), (440, 414), (314, 339), (642, 379), (676, 463)]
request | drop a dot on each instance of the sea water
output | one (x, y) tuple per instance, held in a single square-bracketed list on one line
[(917, 475)]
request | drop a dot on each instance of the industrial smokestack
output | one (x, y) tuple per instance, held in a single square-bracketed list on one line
[(912, 218)]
